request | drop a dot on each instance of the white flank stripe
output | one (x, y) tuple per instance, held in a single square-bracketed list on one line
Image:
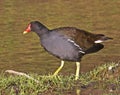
[(81, 51), (76, 45), (98, 41)]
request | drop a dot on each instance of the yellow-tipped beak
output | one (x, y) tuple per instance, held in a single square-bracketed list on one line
[(25, 32)]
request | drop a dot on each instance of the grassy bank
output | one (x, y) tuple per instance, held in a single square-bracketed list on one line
[(102, 79)]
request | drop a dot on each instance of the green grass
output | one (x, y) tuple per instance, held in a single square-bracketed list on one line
[(99, 78)]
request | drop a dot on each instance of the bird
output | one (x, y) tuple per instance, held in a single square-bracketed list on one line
[(67, 43)]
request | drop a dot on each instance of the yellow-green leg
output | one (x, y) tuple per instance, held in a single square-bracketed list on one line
[(77, 70), (57, 71)]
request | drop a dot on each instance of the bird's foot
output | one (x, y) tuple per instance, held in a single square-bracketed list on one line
[(55, 73), (76, 77)]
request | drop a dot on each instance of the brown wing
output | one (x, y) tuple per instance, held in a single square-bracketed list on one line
[(83, 38)]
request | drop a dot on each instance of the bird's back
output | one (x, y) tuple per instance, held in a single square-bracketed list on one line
[(81, 37)]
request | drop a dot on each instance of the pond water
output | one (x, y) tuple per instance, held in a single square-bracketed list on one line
[(24, 53)]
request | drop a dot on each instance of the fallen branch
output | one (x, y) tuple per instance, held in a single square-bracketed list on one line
[(21, 74)]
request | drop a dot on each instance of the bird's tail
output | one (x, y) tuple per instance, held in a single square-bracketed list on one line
[(101, 38), (94, 48)]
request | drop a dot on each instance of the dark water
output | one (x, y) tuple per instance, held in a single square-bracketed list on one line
[(24, 53)]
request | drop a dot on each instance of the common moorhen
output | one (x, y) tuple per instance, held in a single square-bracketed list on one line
[(67, 43)]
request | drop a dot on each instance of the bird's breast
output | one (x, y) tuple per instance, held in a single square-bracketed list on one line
[(61, 47)]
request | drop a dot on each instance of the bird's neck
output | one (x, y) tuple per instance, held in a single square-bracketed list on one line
[(42, 31)]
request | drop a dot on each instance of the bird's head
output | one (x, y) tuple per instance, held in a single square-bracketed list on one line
[(34, 26)]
